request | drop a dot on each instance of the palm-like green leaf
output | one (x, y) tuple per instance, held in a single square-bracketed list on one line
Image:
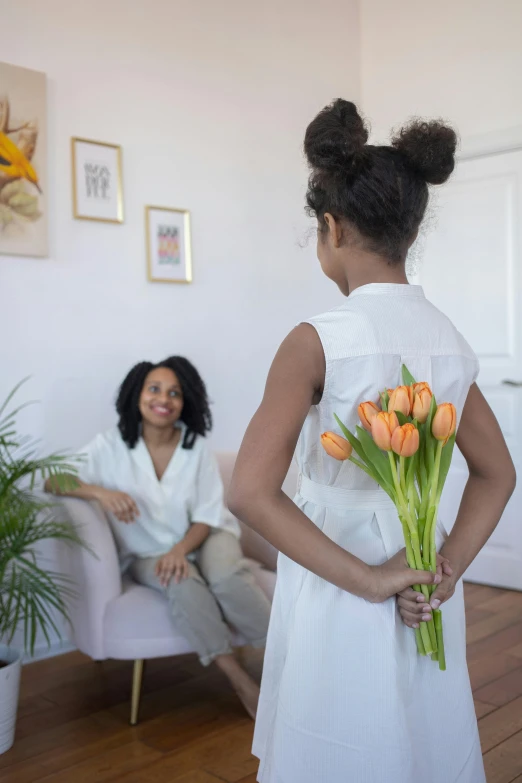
[(31, 596)]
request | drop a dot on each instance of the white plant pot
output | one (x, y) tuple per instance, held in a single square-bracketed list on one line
[(9, 688)]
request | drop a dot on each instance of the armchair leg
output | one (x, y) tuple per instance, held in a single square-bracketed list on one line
[(137, 680)]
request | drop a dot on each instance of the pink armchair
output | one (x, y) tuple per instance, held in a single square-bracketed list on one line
[(112, 616)]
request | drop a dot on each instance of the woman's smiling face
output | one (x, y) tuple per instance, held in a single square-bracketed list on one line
[(161, 399)]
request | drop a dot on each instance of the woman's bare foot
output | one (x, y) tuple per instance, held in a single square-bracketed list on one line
[(248, 694), (243, 684)]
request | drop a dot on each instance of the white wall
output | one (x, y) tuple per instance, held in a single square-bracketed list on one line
[(209, 102), (460, 59)]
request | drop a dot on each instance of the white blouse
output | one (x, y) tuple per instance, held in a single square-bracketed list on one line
[(189, 491)]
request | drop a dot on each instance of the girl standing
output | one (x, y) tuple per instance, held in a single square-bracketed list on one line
[(345, 697)]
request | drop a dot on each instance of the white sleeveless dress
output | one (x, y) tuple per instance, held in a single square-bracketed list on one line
[(345, 697)]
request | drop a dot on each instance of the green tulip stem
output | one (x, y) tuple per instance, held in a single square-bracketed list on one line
[(402, 474), (441, 657), (411, 536), (410, 557), (420, 644), (429, 548)]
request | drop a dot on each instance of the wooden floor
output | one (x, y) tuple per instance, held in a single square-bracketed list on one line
[(72, 725)]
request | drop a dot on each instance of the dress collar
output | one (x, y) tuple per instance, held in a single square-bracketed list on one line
[(390, 289)]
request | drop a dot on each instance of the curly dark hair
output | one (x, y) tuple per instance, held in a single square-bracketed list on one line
[(381, 191), (196, 409)]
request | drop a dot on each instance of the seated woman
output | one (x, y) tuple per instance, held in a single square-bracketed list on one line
[(157, 479)]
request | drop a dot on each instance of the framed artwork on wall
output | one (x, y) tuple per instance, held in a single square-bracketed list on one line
[(97, 181), (23, 161), (169, 253)]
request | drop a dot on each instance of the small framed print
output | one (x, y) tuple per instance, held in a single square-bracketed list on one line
[(97, 181), (169, 254)]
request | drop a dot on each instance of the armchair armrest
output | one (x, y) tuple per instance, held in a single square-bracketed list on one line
[(255, 546), (96, 574)]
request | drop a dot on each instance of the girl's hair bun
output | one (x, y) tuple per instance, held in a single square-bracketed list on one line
[(335, 139), (429, 148)]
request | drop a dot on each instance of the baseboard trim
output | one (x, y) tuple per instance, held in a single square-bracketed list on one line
[(43, 651)]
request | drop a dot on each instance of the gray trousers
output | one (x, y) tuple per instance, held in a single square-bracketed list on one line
[(219, 590)]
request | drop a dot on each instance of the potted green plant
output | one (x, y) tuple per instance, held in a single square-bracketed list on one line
[(31, 595)]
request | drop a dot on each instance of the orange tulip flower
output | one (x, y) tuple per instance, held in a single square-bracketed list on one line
[(335, 446), (401, 399), (422, 395), (444, 422), (367, 411), (383, 426), (405, 440)]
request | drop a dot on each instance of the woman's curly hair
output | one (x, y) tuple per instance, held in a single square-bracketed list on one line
[(196, 409)]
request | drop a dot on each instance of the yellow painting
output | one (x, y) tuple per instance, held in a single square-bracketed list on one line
[(23, 161)]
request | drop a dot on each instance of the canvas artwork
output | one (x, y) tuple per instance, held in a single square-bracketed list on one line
[(97, 181), (168, 245), (23, 161)]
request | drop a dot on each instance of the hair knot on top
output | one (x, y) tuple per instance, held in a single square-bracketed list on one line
[(382, 191)]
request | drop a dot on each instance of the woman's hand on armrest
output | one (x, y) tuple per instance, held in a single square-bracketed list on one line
[(120, 504)]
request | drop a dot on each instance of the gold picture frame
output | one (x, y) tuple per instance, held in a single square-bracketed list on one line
[(168, 245), (98, 194)]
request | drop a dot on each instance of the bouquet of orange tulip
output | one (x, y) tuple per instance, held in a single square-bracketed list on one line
[(406, 446)]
